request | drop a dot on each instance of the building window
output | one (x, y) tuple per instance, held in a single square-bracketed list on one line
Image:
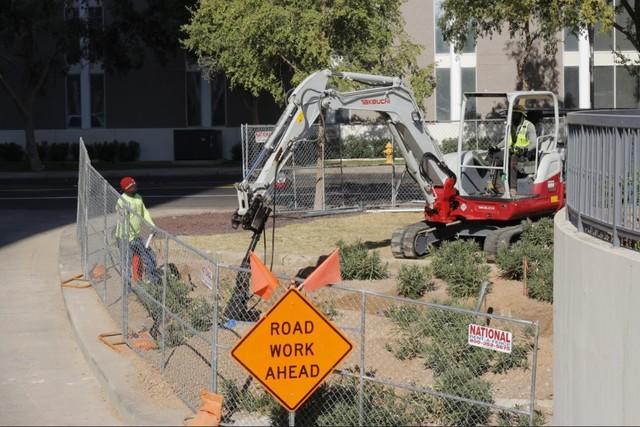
[(627, 88), (441, 45), (74, 115), (193, 91), (603, 87), (218, 86), (85, 82), (97, 101), (571, 87), (570, 41), (443, 98), (469, 85)]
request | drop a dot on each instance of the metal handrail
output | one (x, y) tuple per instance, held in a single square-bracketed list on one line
[(603, 174)]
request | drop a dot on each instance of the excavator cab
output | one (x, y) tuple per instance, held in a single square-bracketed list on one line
[(487, 164)]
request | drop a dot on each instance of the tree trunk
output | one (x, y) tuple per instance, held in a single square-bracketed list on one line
[(318, 202), (30, 140)]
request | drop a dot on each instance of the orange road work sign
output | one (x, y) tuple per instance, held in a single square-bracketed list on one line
[(292, 349)]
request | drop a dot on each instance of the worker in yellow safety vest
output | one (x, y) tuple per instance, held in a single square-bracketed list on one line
[(522, 144), (131, 206)]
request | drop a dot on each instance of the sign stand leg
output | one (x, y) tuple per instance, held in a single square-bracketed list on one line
[(292, 419)]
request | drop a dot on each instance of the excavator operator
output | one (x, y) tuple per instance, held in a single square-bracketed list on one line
[(522, 145)]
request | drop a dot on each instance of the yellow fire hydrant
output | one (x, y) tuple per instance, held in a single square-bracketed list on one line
[(388, 152)]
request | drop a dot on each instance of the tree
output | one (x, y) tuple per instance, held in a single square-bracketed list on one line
[(528, 23), (42, 38), (627, 22), (271, 45)]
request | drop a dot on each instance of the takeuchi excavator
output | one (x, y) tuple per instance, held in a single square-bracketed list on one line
[(458, 201)]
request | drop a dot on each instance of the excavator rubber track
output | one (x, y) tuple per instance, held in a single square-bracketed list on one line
[(412, 241)]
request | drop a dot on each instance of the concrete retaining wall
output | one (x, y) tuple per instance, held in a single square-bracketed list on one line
[(596, 337)]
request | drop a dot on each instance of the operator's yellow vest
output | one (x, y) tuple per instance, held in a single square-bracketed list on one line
[(521, 137)]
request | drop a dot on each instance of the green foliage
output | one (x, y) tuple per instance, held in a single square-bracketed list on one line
[(11, 152), (536, 245), (241, 399), (357, 263), (195, 311), (464, 20), (464, 383), (461, 264), (509, 419), (272, 46), (450, 145), (402, 315), (62, 151), (363, 148), (516, 359), (329, 309), (41, 38), (336, 403), (414, 281)]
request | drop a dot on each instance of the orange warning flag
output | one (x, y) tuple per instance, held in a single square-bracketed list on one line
[(263, 282), (327, 273)]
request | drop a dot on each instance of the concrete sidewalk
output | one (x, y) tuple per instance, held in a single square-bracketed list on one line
[(44, 378), (53, 370)]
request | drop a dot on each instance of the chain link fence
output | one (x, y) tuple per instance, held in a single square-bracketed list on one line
[(350, 170), (183, 310)]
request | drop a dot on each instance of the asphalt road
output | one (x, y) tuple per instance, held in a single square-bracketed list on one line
[(59, 194)]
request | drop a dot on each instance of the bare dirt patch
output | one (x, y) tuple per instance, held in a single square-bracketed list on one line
[(298, 243)]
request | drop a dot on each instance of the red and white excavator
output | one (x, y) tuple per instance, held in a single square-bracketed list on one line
[(458, 201)]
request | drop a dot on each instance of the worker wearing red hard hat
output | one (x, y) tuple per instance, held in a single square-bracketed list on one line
[(136, 218)]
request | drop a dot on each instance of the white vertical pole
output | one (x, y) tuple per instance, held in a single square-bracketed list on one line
[(455, 84), (584, 77), (85, 75), (205, 101)]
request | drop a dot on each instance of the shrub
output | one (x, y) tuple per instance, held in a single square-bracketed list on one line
[(195, 310), (449, 145), (357, 264), (58, 151), (414, 281), (127, 151), (463, 382), (236, 152), (461, 264), (402, 315), (361, 147), (11, 152), (510, 419), (536, 244), (336, 403)]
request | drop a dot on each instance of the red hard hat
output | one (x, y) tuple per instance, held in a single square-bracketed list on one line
[(126, 183)]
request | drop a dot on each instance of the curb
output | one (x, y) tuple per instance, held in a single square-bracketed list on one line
[(116, 372)]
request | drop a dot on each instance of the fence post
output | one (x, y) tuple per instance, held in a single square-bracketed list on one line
[(106, 243), (164, 298), (214, 330), (617, 184), (126, 274), (534, 369), (363, 307), (85, 244)]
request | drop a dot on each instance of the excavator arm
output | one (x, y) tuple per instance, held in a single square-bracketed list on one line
[(385, 95)]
